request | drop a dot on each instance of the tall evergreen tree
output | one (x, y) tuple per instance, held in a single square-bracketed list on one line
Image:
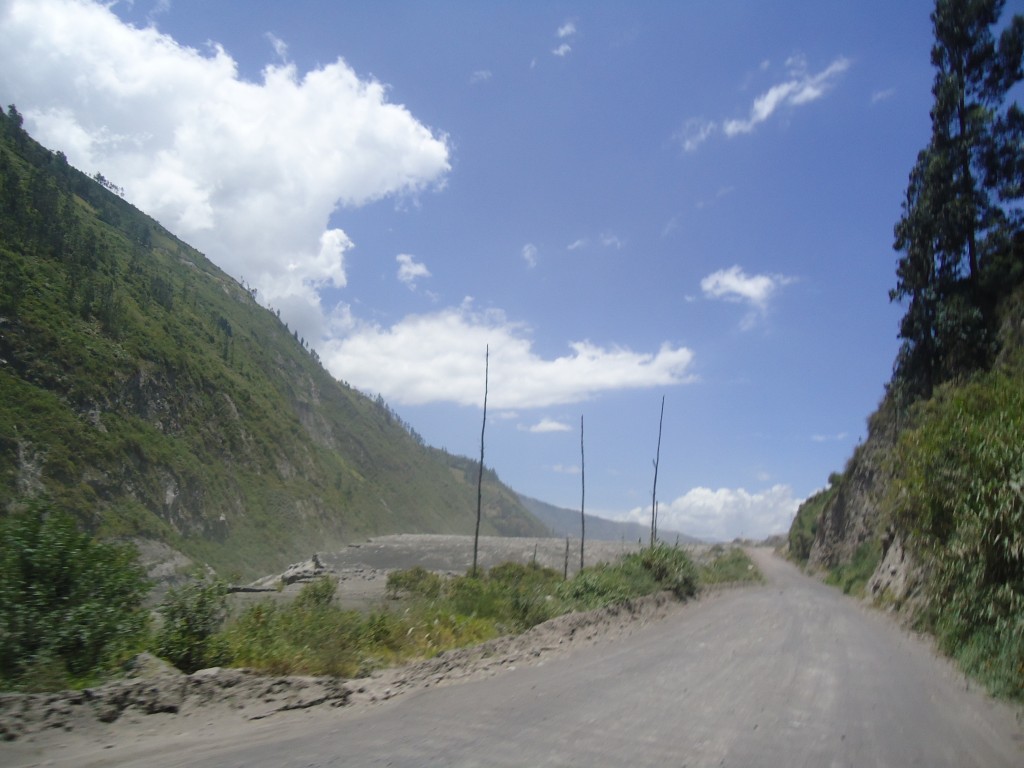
[(962, 208)]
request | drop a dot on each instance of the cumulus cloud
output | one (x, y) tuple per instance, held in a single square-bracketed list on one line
[(410, 270), (438, 357), (567, 30), (733, 284), (562, 50), (249, 172), (480, 76), (726, 513)]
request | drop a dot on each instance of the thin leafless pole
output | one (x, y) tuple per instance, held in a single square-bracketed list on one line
[(583, 494), (654, 491), (480, 476)]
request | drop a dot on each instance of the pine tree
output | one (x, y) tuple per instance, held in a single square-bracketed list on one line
[(962, 209)]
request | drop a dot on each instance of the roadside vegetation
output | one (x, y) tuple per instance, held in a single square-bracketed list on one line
[(959, 492), (72, 609), (946, 476)]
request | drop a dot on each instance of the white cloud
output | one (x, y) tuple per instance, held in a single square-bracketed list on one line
[(734, 284), (410, 270), (885, 95), (566, 469), (577, 244), (609, 240), (248, 172), (801, 89), (838, 437), (529, 253), (725, 514), (562, 51), (480, 76), (439, 357), (280, 46), (695, 132), (548, 425), (567, 30)]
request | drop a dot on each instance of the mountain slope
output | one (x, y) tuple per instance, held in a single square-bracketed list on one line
[(566, 522), (149, 393)]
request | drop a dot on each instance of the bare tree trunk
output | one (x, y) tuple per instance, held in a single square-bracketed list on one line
[(583, 495), (565, 569), (654, 491), (480, 476)]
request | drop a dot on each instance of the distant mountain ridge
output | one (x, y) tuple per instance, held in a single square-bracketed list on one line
[(149, 393), (566, 522)]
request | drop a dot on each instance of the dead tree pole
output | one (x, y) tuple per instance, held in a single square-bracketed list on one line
[(654, 491), (480, 476), (583, 495)]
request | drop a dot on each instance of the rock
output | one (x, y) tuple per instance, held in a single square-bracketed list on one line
[(296, 573)]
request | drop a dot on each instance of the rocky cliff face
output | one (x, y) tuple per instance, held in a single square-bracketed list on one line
[(852, 517)]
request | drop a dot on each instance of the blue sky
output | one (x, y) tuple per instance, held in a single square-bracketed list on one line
[(625, 201)]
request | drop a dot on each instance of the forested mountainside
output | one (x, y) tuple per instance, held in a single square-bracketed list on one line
[(928, 515), (148, 393)]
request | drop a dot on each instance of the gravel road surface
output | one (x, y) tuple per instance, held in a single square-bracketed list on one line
[(790, 673)]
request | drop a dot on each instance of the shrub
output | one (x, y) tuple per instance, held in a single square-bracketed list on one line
[(192, 616), (69, 604), (317, 594), (959, 488), (853, 577), (672, 568), (728, 565), (603, 584), (416, 581)]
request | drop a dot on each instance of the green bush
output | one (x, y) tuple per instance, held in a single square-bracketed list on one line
[(805, 524), (317, 594), (728, 565), (672, 568), (416, 581), (192, 616), (959, 488), (853, 577), (604, 584), (70, 605)]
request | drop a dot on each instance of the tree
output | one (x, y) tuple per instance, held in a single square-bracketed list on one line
[(654, 489), (68, 603), (192, 615), (583, 495), (962, 206), (480, 476)]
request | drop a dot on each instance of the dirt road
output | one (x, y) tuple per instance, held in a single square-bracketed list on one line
[(790, 673)]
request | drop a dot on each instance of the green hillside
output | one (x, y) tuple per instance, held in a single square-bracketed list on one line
[(148, 393), (927, 518)]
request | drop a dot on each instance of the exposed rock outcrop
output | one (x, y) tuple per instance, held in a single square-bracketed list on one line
[(852, 516)]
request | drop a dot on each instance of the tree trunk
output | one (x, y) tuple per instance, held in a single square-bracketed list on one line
[(480, 476)]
